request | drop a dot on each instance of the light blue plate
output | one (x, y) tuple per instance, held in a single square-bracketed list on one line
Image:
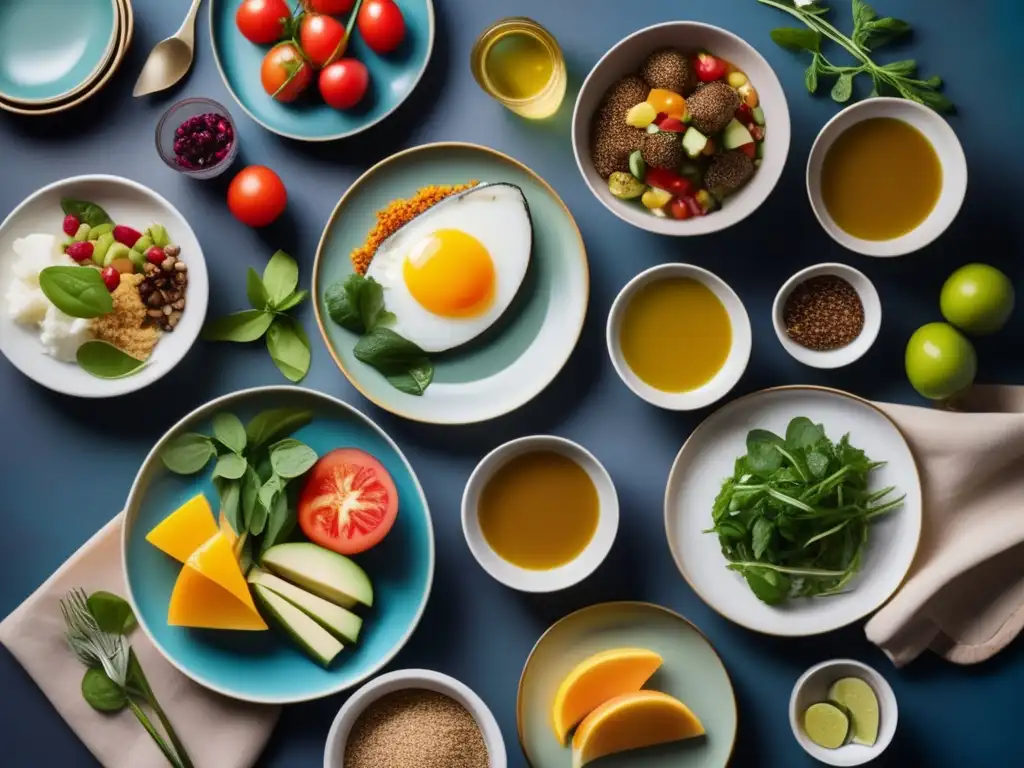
[(49, 49), (392, 77), (267, 667)]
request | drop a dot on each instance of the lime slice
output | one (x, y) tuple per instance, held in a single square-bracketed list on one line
[(826, 725), (859, 700)]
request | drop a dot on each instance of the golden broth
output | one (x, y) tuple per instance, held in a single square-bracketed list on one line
[(880, 179), (676, 334), (539, 511)]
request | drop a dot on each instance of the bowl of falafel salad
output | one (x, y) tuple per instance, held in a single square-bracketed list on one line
[(682, 128)]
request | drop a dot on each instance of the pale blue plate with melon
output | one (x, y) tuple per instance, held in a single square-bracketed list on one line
[(517, 356), (392, 76), (51, 49), (268, 667)]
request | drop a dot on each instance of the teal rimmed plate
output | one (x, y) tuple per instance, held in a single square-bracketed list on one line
[(266, 667), (692, 672), (51, 50), (392, 77), (524, 350)]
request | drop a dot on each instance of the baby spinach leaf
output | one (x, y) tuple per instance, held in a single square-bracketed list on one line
[(267, 426), (280, 277), (280, 523), (76, 291), (188, 453), (250, 495), (101, 693), (797, 39), (255, 290), (289, 348), (247, 325), (229, 492), (113, 614), (803, 433), (817, 463), (86, 212), (230, 466), (357, 304), (229, 431), (761, 535), (292, 300), (290, 458), (415, 378), (762, 457), (384, 349), (769, 586), (105, 361)]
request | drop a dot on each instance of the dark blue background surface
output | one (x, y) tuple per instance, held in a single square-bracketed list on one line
[(66, 465)]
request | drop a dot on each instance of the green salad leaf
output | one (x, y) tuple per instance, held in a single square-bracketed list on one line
[(105, 361), (76, 291), (85, 211)]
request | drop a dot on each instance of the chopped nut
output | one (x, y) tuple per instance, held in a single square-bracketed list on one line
[(173, 319), (167, 264), (179, 304), (167, 309), (181, 266), (172, 250), (149, 268), (181, 277), (155, 313), (155, 299)]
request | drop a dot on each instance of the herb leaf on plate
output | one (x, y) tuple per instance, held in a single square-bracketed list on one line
[(76, 291), (289, 348), (357, 304), (230, 466), (188, 453), (274, 424), (280, 278), (101, 693), (229, 431), (255, 291), (247, 325), (290, 458), (112, 613), (105, 361), (85, 211)]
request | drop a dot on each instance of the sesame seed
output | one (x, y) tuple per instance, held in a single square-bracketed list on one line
[(823, 313)]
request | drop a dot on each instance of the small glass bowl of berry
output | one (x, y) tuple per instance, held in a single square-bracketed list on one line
[(197, 137)]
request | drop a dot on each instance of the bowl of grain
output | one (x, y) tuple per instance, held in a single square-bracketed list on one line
[(415, 717)]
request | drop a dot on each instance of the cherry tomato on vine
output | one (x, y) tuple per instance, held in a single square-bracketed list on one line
[(285, 72), (381, 25), (322, 39), (263, 21), (343, 83), (257, 196), (333, 7)]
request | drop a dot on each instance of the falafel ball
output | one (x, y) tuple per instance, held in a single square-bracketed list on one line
[(612, 140), (662, 150), (670, 69), (712, 106), (728, 172)]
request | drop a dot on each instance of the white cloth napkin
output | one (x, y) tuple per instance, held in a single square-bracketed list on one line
[(964, 596), (217, 732)]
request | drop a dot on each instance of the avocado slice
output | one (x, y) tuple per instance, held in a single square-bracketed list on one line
[(694, 142), (310, 636), (158, 234), (340, 622), (324, 573), (736, 135)]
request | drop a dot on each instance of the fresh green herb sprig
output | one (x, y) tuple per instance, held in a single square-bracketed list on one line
[(96, 628), (793, 519), (270, 296), (357, 304), (870, 31), (254, 464)]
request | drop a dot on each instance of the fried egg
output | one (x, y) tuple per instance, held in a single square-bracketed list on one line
[(450, 273)]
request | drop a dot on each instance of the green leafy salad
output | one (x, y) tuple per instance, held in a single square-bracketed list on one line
[(794, 517)]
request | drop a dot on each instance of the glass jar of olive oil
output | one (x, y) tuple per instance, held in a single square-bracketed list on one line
[(521, 65)]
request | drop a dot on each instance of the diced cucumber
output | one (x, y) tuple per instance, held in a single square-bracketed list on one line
[(758, 115), (143, 244), (116, 251), (138, 259), (158, 234), (759, 151), (694, 142), (102, 229), (637, 166), (82, 234), (652, 128), (100, 248)]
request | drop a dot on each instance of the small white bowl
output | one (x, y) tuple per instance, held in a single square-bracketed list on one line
[(731, 371), (833, 358), (566, 575), (403, 679), (947, 147), (812, 688)]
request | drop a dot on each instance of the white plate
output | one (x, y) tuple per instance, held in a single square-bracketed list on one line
[(707, 458), (128, 203)]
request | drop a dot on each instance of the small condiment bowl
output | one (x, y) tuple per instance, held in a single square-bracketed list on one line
[(404, 679), (812, 688), (730, 372), (171, 120), (553, 579), (832, 358), (947, 147)]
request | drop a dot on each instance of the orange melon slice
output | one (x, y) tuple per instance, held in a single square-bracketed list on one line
[(184, 530), (632, 721), (597, 679)]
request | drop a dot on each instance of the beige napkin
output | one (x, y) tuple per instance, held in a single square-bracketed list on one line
[(964, 596), (217, 732)]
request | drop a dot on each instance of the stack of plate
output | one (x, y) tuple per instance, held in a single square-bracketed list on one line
[(55, 54)]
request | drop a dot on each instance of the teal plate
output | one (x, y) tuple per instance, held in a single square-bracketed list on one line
[(518, 356), (267, 667), (692, 672), (392, 77), (50, 49)]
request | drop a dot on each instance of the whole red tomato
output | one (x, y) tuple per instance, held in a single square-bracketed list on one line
[(335, 7), (381, 25), (263, 21), (285, 72), (257, 196), (322, 39), (343, 83)]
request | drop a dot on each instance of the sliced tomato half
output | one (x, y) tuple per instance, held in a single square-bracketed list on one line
[(349, 502)]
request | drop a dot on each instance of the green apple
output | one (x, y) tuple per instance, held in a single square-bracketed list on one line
[(977, 298), (940, 361)]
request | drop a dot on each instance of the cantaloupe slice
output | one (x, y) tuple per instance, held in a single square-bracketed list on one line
[(631, 721), (597, 679), (184, 530)]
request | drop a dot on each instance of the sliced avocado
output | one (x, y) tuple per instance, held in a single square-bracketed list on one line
[(115, 251), (143, 244), (331, 576), (736, 135), (82, 234), (308, 635), (100, 248), (340, 622), (102, 229), (158, 234), (758, 115), (694, 142)]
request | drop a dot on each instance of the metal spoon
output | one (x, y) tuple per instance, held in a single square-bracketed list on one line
[(170, 59)]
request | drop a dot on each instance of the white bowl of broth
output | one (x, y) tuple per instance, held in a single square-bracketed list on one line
[(540, 513), (886, 176), (679, 336)]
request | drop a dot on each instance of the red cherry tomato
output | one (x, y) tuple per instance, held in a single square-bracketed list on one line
[(349, 502), (111, 278), (696, 209), (709, 68), (672, 125), (322, 39), (343, 83), (335, 7), (750, 150), (381, 25), (257, 196), (678, 209), (662, 178), (263, 21), (285, 72)]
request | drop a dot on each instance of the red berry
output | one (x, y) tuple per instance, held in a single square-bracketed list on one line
[(111, 278), (71, 223), (155, 255), (80, 251), (126, 235)]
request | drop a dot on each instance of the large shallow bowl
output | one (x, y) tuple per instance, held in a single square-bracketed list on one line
[(625, 58), (266, 666)]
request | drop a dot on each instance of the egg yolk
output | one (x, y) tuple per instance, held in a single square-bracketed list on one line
[(450, 273), (669, 102)]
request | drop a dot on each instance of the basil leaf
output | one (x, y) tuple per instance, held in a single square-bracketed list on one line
[(230, 493), (371, 305), (258, 520), (276, 423), (342, 303), (101, 693), (795, 39), (76, 291), (414, 379), (802, 433), (255, 290), (761, 536), (229, 431), (247, 325), (290, 458), (293, 300), (383, 348), (250, 496), (230, 466), (113, 614), (105, 361), (843, 88), (188, 453), (270, 490), (811, 77), (280, 277), (85, 212), (936, 101), (280, 523), (289, 348)]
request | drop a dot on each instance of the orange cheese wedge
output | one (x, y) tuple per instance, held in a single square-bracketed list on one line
[(185, 530)]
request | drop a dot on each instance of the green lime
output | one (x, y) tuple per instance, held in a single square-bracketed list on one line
[(625, 186), (826, 725), (859, 700)]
